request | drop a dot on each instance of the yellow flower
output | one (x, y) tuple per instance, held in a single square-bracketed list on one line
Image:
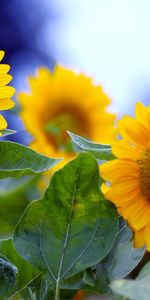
[(60, 101), (6, 92), (129, 174)]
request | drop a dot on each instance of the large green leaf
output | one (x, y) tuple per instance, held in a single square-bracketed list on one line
[(72, 227), (100, 151), (17, 160), (25, 272)]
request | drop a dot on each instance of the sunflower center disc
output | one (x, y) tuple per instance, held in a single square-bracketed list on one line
[(145, 175)]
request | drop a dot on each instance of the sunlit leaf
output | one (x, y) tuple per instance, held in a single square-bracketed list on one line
[(100, 151), (18, 160), (6, 132)]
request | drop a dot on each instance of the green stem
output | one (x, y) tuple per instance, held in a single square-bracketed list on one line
[(57, 294)]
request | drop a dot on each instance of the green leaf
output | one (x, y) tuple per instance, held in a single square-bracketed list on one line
[(26, 272), (73, 283), (123, 257), (132, 289), (138, 289), (32, 295), (17, 160), (100, 283), (88, 278), (72, 227), (119, 262), (15, 195), (8, 274), (100, 151), (145, 272), (44, 288), (65, 295), (6, 132)]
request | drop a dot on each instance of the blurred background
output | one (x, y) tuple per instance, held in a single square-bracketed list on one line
[(107, 39)]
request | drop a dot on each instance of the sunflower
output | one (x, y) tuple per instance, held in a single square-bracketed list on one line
[(63, 100), (6, 92), (129, 174)]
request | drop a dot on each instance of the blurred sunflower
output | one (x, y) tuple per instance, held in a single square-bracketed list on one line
[(129, 174), (60, 101), (6, 92)]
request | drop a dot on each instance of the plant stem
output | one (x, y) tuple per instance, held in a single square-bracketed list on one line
[(57, 291)]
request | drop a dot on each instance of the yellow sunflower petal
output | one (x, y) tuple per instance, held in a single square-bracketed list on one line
[(139, 240), (105, 188), (2, 53), (140, 218), (143, 115), (3, 123), (118, 168), (123, 199), (122, 149), (6, 92), (134, 132), (4, 69), (25, 99), (5, 79), (147, 235), (138, 214), (6, 104), (126, 184)]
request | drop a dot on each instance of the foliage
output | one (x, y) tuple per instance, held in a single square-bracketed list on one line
[(7, 275), (71, 238), (60, 228), (134, 289), (99, 151), (17, 160)]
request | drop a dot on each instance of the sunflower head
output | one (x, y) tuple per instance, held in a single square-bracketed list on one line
[(129, 174), (6, 92), (63, 100)]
